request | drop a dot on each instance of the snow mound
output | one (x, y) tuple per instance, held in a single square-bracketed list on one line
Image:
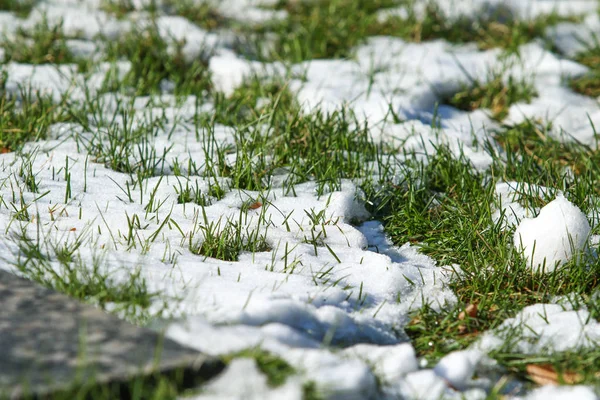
[(458, 367), (551, 239), (543, 328)]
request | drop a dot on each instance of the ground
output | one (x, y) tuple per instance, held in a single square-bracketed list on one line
[(341, 199)]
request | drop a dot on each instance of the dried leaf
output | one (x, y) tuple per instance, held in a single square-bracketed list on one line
[(544, 374), (255, 205), (470, 310), (73, 229)]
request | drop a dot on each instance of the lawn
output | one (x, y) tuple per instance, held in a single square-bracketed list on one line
[(341, 199)]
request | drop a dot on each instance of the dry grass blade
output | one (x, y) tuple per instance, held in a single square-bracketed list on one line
[(544, 374)]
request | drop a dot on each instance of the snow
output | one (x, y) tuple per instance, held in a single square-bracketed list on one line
[(554, 237), (512, 206), (458, 367), (562, 392), (242, 380), (542, 329), (391, 363), (336, 319), (520, 9)]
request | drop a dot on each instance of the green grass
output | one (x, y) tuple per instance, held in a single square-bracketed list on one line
[(21, 8), (153, 61), (27, 117), (201, 13), (498, 29), (119, 8), (588, 84), (276, 369), (129, 297), (44, 44), (322, 147), (495, 95), (254, 100), (333, 28), (225, 240), (320, 29)]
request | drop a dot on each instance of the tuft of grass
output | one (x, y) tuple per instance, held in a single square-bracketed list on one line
[(254, 100), (332, 28), (496, 29), (588, 84), (155, 61), (533, 154), (225, 241), (44, 44), (27, 117), (125, 145), (192, 194), (495, 95), (322, 147), (275, 368), (311, 392), (37, 258), (202, 13), (21, 8), (319, 29), (119, 8)]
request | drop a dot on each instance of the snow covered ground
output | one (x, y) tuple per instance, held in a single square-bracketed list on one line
[(328, 292)]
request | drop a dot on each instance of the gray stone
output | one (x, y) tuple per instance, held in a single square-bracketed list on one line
[(51, 343)]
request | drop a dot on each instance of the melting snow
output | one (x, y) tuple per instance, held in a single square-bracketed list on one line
[(294, 301), (558, 233)]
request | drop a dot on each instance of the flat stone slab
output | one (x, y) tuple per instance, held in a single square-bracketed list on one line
[(51, 343)]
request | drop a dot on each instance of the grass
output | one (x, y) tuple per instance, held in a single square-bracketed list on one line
[(27, 117), (275, 368), (496, 29), (154, 61), (253, 100), (36, 257), (226, 240), (446, 209), (437, 202), (202, 13), (322, 147), (44, 44), (119, 8), (588, 84), (333, 28), (497, 94), (321, 29), (21, 8)]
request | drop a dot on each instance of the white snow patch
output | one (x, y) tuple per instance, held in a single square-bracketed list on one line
[(543, 329), (550, 392), (458, 367), (551, 239), (242, 380)]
